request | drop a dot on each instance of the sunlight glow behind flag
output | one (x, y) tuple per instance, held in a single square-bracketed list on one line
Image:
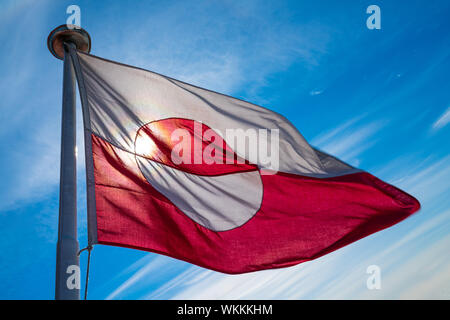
[(169, 172)]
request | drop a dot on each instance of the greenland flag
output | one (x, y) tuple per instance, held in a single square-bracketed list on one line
[(213, 180)]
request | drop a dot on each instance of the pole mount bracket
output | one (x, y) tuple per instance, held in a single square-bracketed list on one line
[(70, 34)]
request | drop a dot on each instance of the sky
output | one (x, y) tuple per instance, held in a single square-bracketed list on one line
[(377, 99)]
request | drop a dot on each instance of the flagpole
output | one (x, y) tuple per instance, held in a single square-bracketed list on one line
[(67, 284)]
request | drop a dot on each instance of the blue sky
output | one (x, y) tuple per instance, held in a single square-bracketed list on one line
[(378, 99)]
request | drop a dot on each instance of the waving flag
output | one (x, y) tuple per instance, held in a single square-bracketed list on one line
[(213, 180)]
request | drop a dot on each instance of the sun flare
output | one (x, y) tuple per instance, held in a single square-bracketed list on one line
[(145, 146)]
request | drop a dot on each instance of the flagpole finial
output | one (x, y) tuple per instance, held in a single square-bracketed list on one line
[(71, 34)]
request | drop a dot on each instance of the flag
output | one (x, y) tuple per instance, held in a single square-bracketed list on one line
[(214, 180)]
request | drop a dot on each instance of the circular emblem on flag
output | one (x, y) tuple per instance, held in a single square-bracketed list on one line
[(192, 166)]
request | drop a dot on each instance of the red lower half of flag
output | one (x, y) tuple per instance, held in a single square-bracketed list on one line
[(299, 218)]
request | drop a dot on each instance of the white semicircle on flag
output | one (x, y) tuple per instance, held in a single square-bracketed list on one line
[(219, 203)]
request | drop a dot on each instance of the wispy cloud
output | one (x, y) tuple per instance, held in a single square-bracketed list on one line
[(31, 125), (443, 120), (215, 54), (350, 139), (152, 266), (315, 92), (429, 178)]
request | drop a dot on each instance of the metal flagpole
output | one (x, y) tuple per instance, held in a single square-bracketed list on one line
[(67, 286)]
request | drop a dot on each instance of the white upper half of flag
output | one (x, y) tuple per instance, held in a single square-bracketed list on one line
[(121, 99)]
